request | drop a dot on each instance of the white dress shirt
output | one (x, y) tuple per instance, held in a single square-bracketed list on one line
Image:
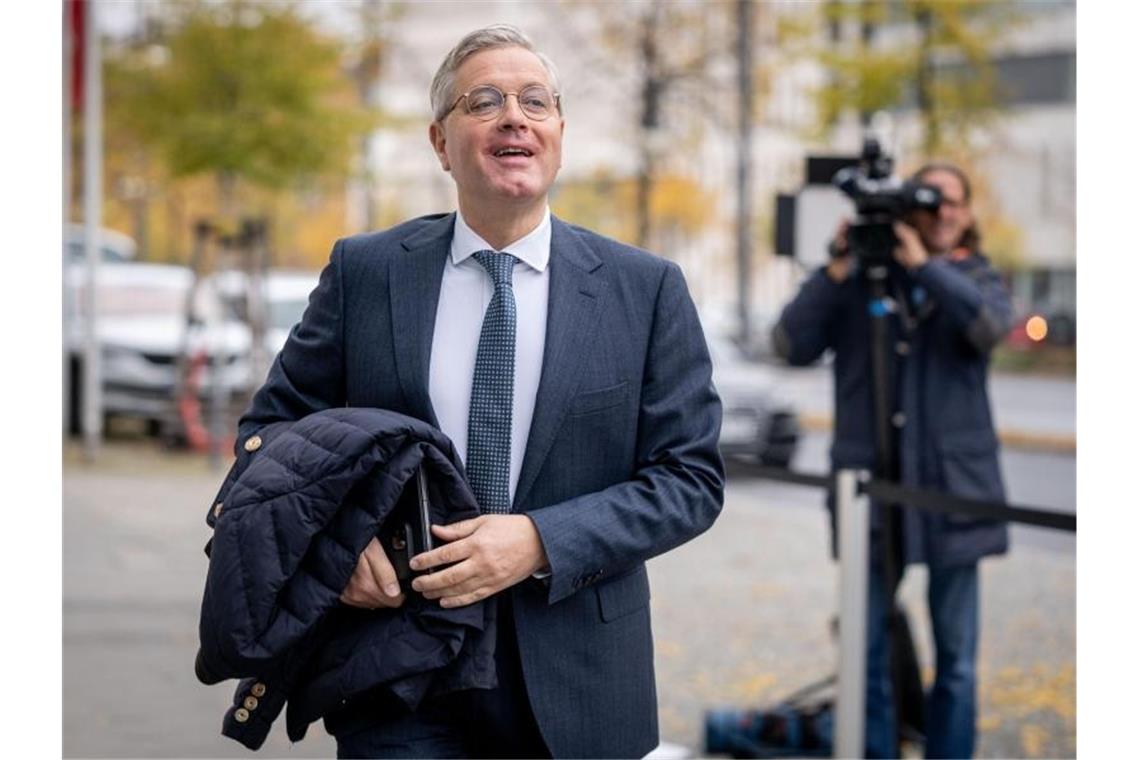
[(464, 294)]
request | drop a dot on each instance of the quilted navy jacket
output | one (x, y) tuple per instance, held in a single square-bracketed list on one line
[(296, 510)]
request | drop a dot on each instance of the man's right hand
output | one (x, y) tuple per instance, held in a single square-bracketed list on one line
[(839, 267), (373, 584)]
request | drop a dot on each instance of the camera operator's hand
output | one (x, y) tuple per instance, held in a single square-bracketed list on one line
[(839, 267), (373, 584), (910, 252)]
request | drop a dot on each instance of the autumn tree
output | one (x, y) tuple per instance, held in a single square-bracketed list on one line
[(936, 57), (249, 94), (663, 56)]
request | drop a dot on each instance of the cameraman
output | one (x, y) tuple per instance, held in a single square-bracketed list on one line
[(949, 310)]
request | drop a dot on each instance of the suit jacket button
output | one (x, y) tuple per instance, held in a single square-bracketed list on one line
[(218, 509), (258, 689), (253, 443), (250, 703), (241, 715)]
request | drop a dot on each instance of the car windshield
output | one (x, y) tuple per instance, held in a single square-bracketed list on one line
[(76, 254)]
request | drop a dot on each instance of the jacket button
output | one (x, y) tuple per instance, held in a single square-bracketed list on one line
[(218, 509), (902, 348), (241, 715), (898, 419), (253, 443), (250, 703), (258, 689)]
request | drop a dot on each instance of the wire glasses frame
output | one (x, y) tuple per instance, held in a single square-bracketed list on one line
[(487, 102)]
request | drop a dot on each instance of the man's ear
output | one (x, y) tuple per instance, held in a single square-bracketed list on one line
[(439, 143)]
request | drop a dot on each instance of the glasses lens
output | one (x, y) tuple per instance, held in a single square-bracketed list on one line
[(536, 101), (484, 102)]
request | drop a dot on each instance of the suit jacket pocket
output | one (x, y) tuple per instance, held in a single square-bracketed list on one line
[(623, 595), (596, 401)]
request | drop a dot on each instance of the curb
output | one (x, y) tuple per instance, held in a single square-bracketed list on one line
[(1012, 438)]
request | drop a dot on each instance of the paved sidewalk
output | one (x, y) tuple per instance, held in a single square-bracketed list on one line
[(740, 618)]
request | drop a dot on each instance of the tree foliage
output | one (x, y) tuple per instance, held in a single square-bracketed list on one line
[(242, 91), (938, 59)]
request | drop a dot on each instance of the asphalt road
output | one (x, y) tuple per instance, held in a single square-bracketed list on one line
[(741, 614)]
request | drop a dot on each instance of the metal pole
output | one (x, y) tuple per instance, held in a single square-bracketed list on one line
[(853, 515), (92, 217), (68, 307), (744, 172)]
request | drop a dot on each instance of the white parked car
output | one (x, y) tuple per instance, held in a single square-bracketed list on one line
[(144, 333), (758, 422), (152, 348)]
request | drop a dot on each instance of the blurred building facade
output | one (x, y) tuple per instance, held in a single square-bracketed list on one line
[(1027, 154)]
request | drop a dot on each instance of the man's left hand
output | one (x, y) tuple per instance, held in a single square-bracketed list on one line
[(487, 554), (910, 252)]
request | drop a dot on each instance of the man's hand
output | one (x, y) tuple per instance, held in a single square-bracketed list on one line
[(373, 583), (910, 252), (839, 267), (487, 554)]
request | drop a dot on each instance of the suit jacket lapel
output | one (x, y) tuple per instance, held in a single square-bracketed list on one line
[(571, 319), (413, 292)]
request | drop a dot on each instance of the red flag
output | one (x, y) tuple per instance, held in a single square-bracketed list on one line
[(75, 19)]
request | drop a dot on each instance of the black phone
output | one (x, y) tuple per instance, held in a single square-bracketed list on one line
[(406, 531)]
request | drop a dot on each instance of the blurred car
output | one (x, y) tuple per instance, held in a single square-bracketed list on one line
[(286, 296), (114, 247), (144, 334), (757, 422), (1043, 327)]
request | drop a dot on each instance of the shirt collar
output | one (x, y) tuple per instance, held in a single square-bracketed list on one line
[(533, 249)]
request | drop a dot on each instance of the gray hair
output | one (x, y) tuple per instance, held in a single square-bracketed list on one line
[(487, 38)]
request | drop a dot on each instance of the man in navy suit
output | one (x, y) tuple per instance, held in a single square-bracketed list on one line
[(571, 373)]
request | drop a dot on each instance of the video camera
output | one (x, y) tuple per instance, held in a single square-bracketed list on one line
[(880, 199)]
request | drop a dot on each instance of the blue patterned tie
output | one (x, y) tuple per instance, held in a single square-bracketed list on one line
[(492, 392)]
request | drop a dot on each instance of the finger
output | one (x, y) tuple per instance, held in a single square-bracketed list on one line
[(453, 577), (360, 585), (903, 230), (462, 600), (456, 551), (381, 569), (454, 531)]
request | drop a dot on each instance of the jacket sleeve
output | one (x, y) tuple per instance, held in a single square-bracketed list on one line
[(974, 298), (308, 374), (678, 488), (278, 564), (804, 330)]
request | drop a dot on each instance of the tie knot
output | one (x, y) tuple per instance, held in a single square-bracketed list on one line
[(498, 265)]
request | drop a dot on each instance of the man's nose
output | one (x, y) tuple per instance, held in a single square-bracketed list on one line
[(512, 116)]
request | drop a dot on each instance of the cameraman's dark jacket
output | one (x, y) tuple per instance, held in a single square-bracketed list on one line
[(296, 510), (953, 314)]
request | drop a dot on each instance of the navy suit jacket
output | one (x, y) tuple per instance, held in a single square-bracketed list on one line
[(621, 463)]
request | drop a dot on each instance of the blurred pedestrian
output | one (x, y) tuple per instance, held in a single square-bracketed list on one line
[(572, 372), (949, 310)]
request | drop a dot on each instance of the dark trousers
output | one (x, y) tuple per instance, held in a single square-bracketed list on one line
[(475, 723), (951, 705)]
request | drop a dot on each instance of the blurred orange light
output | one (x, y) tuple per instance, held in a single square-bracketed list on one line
[(1036, 328)]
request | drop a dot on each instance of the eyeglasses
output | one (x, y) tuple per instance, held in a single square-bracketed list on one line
[(487, 102)]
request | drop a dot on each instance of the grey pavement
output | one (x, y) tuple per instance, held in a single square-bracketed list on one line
[(741, 614)]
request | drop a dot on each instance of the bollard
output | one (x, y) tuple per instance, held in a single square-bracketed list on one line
[(853, 517)]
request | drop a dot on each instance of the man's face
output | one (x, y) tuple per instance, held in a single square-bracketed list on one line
[(472, 150), (942, 231)]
